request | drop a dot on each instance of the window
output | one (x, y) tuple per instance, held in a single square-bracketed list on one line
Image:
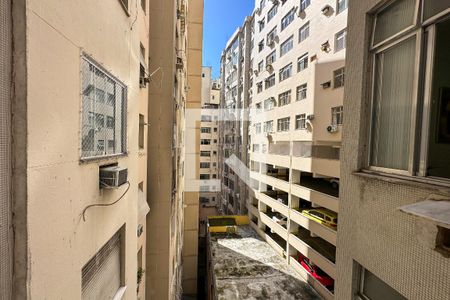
[(270, 59), (205, 118), (141, 131), (283, 124), (303, 33), (215, 141), (259, 87), (261, 46), (271, 36), (204, 165), (284, 98), (287, 19), (340, 40), (287, 45), (341, 6), (258, 128), (96, 83), (337, 115), (270, 81), (261, 66), (269, 104), (286, 72), (256, 148), (261, 23), (262, 4), (268, 126), (258, 107), (205, 141), (373, 288), (205, 130), (272, 12), (302, 91), (205, 153), (302, 62), (102, 275), (339, 77), (304, 4), (300, 121), (204, 176)]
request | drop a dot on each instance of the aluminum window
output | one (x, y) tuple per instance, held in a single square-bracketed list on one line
[(204, 165), (284, 98), (272, 12), (302, 62), (372, 288), (258, 128), (283, 124), (104, 97), (268, 126), (261, 66), (341, 5), (271, 36), (269, 104), (205, 130), (286, 72), (339, 78), (302, 91), (287, 45), (304, 4), (340, 40), (303, 33), (261, 24), (337, 115), (270, 81), (259, 87), (288, 19), (271, 58), (300, 121)]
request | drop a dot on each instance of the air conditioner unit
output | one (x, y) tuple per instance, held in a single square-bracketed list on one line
[(179, 64), (269, 68), (325, 47), (258, 11), (275, 2), (310, 117), (326, 9), (332, 128), (270, 42), (326, 85), (113, 177), (256, 72)]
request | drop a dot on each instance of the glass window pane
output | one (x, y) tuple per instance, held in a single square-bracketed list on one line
[(393, 19), (393, 95), (433, 7), (375, 289)]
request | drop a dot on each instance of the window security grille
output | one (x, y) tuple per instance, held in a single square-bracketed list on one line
[(302, 91), (101, 276), (103, 126)]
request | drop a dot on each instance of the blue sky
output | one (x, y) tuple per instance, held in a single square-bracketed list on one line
[(221, 18)]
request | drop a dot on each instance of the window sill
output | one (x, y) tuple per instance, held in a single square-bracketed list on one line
[(435, 208), (105, 158), (415, 181)]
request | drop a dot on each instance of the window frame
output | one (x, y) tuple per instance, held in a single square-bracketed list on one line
[(288, 41), (302, 28), (344, 37)]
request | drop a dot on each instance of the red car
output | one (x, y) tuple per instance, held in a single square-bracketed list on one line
[(316, 272)]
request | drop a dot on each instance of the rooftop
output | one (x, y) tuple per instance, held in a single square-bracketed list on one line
[(246, 267)]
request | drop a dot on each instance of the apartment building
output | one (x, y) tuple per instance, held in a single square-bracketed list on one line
[(394, 238), (73, 169), (209, 137), (233, 127), (175, 91), (295, 131)]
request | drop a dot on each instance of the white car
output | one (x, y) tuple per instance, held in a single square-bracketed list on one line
[(280, 220)]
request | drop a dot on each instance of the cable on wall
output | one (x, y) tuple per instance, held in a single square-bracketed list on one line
[(102, 204)]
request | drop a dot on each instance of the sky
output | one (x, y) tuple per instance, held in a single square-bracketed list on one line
[(221, 18)]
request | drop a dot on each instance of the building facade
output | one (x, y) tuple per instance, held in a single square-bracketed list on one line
[(234, 101), (75, 113), (175, 90), (394, 236), (296, 116)]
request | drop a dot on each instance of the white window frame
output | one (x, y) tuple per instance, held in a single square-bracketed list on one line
[(304, 4), (300, 122), (285, 73), (302, 60), (271, 58), (287, 19), (339, 76), (303, 32), (272, 13), (284, 98), (302, 90), (287, 45), (340, 35), (337, 113), (338, 11), (283, 124)]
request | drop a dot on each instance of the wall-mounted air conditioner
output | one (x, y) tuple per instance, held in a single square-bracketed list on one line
[(269, 68), (113, 176), (310, 117), (332, 128)]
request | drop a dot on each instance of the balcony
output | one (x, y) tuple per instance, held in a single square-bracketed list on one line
[(273, 159), (318, 198), (328, 167), (276, 241), (315, 228)]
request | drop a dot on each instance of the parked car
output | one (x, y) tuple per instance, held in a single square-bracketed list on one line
[(321, 215), (316, 272)]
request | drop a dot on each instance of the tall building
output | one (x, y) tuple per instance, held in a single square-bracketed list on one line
[(92, 148), (295, 103), (74, 94), (175, 91), (394, 221), (233, 126), (209, 136)]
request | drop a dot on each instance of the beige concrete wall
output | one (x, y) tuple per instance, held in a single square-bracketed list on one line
[(372, 230), (59, 185), (193, 102)]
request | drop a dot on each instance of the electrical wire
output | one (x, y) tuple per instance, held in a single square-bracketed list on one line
[(102, 204)]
